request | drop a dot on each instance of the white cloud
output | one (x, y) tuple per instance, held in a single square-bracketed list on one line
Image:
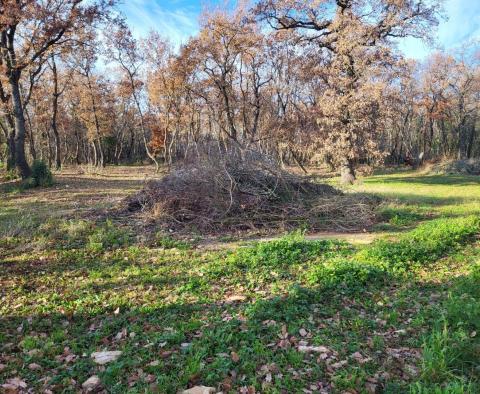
[(177, 20), (176, 24), (463, 24)]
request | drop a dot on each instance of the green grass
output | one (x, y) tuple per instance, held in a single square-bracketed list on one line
[(399, 315)]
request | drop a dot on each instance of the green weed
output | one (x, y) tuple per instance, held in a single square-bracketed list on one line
[(108, 236)]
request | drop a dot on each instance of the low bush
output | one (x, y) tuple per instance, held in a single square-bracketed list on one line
[(377, 262), (348, 274), (41, 175), (400, 216)]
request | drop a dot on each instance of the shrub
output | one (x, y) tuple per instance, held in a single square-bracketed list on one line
[(41, 175), (400, 216)]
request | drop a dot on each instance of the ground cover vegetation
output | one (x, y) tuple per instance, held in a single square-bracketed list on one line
[(399, 314)]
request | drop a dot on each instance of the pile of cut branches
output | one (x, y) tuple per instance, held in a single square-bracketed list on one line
[(245, 190), (457, 167)]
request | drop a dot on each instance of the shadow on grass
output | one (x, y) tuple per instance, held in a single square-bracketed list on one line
[(212, 331), (74, 185)]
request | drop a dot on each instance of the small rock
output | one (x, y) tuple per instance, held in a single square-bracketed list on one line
[(92, 383), (313, 349), (303, 332), (103, 358), (235, 298), (199, 390), (34, 367)]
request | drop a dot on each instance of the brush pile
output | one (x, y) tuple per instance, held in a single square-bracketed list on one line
[(457, 167), (245, 190)]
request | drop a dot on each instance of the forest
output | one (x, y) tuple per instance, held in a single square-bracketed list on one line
[(78, 88), (286, 201)]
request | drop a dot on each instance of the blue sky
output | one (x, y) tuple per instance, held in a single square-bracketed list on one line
[(178, 19)]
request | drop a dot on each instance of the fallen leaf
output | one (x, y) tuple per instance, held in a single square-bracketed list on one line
[(14, 385), (303, 332), (122, 334), (34, 367), (105, 357), (150, 378), (371, 388), (340, 364), (269, 323), (92, 383), (360, 359), (235, 357)]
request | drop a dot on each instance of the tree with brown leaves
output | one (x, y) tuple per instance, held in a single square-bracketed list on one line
[(29, 30), (355, 36)]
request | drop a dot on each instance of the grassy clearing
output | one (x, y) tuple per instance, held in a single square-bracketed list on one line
[(290, 315)]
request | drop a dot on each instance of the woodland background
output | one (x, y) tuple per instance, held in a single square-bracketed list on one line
[(305, 82)]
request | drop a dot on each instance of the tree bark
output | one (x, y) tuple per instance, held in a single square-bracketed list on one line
[(11, 149), (20, 130), (347, 172), (56, 136)]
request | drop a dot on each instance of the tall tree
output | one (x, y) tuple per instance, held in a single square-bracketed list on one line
[(355, 36), (29, 30)]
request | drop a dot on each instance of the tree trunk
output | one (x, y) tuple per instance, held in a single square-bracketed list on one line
[(11, 150), (20, 130), (347, 172), (142, 126), (471, 140), (56, 136)]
